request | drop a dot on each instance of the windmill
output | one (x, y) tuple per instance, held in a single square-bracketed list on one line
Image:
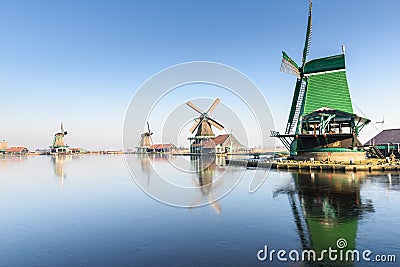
[(203, 124), (59, 145), (145, 140), (321, 118)]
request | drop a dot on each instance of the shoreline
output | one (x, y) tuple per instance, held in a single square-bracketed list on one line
[(368, 166)]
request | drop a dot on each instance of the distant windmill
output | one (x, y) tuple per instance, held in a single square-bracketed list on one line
[(59, 145), (204, 122), (145, 140)]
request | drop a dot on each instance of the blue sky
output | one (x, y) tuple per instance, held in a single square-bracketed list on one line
[(80, 62)]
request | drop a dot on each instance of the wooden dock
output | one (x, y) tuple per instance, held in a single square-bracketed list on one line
[(368, 166)]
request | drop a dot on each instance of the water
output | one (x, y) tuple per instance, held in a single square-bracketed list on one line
[(87, 211)]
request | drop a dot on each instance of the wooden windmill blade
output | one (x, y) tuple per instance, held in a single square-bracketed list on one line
[(288, 65), (307, 42), (213, 106), (190, 104), (62, 129), (148, 128), (204, 122), (195, 125), (216, 124)]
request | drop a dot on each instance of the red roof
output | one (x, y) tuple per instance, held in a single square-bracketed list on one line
[(213, 142), (162, 146), (220, 139), (16, 149)]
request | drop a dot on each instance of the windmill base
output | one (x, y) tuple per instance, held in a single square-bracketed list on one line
[(345, 156), (197, 145)]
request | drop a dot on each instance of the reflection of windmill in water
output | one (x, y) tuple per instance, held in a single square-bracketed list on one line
[(145, 163), (203, 126), (59, 146), (145, 141), (205, 170), (59, 161), (326, 207)]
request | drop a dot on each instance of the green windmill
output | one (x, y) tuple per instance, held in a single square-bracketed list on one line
[(321, 121)]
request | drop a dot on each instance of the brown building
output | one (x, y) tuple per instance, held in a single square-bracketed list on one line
[(161, 148), (3, 146), (224, 143), (17, 150)]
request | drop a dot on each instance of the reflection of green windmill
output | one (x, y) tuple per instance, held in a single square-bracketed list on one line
[(58, 145), (327, 208), (321, 117)]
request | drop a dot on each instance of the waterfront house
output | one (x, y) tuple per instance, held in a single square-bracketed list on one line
[(224, 143), (18, 150), (387, 141), (161, 148)]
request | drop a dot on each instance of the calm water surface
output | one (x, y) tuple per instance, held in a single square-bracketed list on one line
[(88, 211)]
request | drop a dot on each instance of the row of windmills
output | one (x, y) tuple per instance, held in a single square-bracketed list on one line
[(203, 142)]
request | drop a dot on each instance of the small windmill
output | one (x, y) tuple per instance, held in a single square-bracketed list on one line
[(203, 126), (203, 122), (145, 140), (59, 145)]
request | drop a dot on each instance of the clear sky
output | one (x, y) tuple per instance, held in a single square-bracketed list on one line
[(80, 62)]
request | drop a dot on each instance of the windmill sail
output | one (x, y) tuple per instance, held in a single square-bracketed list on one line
[(297, 105), (289, 66), (204, 122), (190, 104), (216, 124), (307, 43), (213, 105), (194, 127)]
